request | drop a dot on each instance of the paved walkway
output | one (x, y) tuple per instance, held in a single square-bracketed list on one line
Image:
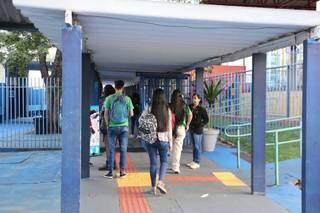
[(30, 182), (209, 189)]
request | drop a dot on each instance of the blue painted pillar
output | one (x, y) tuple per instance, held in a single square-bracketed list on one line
[(199, 81), (95, 88), (310, 130), (142, 93), (156, 83), (71, 122), (166, 89), (178, 84), (258, 128), (87, 77)]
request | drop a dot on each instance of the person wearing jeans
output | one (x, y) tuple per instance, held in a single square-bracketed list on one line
[(199, 120), (161, 147), (118, 109), (163, 143), (120, 134)]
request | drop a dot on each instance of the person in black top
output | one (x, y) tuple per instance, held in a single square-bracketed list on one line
[(199, 120), (136, 104)]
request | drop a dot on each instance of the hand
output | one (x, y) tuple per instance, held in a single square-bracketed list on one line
[(170, 148), (187, 127)]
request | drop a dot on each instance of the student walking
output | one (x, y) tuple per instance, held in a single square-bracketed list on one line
[(118, 109), (155, 131), (183, 117), (107, 90), (199, 120)]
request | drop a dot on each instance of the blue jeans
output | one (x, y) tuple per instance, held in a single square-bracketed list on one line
[(196, 140), (120, 133), (162, 147)]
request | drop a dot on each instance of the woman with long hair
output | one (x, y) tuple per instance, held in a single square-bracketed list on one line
[(183, 117), (107, 90), (163, 144), (199, 120)]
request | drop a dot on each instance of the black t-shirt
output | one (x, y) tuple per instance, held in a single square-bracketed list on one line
[(199, 119)]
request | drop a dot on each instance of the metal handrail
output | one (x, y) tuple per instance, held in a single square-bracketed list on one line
[(276, 143)]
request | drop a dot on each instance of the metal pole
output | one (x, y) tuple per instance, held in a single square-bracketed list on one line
[(276, 160), (238, 148)]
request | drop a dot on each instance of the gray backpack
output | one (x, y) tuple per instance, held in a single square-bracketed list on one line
[(147, 128)]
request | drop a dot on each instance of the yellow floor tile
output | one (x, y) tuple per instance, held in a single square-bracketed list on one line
[(229, 179), (135, 179)]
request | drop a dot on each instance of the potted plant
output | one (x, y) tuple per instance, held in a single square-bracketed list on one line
[(210, 135)]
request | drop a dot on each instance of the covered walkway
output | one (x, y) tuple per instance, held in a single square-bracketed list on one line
[(212, 188), (118, 39)]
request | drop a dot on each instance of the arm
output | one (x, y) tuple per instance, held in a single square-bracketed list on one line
[(131, 113), (189, 119), (170, 131), (106, 116), (205, 118), (130, 107)]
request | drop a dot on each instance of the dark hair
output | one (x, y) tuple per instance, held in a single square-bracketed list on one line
[(199, 97), (177, 106), (119, 84), (159, 109), (108, 90)]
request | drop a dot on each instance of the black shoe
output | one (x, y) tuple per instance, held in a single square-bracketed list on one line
[(109, 175), (123, 175)]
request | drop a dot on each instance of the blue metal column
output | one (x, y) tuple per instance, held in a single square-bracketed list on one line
[(87, 77), (258, 119), (310, 130), (142, 93), (199, 81), (95, 92), (71, 122), (166, 89), (178, 84)]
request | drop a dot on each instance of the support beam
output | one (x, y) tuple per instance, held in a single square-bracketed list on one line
[(310, 130), (166, 89), (178, 84), (142, 93), (95, 90), (87, 77), (199, 81), (71, 122), (258, 128)]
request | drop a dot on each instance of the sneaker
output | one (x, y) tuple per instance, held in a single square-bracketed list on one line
[(161, 187), (123, 175), (191, 163), (153, 191), (176, 172), (109, 175), (195, 166)]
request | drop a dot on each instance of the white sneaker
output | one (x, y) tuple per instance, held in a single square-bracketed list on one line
[(195, 166), (191, 163)]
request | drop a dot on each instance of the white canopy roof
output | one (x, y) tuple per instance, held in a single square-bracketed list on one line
[(142, 36)]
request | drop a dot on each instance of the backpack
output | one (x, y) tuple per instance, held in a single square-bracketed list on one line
[(147, 128), (119, 110)]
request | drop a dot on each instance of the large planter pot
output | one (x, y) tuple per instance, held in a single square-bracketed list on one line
[(210, 137)]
